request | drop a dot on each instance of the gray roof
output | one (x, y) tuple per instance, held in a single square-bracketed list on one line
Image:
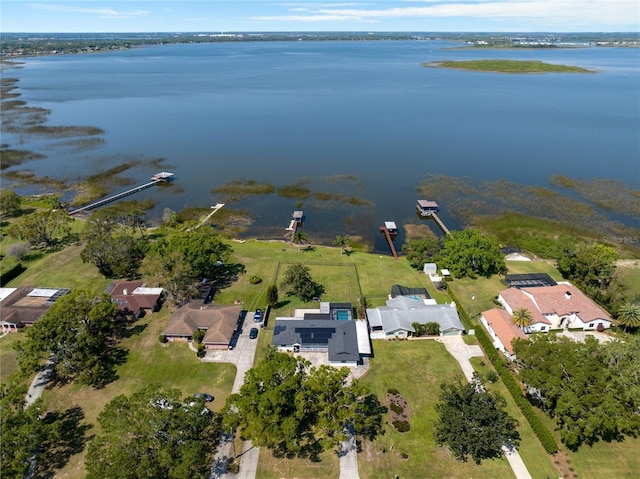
[(400, 314), (339, 337)]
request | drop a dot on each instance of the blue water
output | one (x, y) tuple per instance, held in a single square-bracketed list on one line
[(279, 112)]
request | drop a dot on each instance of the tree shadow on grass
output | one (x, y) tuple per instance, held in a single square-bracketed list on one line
[(227, 274), (66, 437)]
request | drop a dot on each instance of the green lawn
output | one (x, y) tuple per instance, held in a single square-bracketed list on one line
[(538, 462), (8, 363), (173, 365), (270, 467), (416, 369)]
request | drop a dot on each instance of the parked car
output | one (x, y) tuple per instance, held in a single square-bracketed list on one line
[(205, 396), (253, 334), (257, 316)]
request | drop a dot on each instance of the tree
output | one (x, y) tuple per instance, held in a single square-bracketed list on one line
[(432, 329), (473, 422), (169, 217), (171, 271), (293, 410), (522, 317), (592, 267), (469, 253), (629, 315), (297, 282), (42, 227), (421, 251), (110, 247), (9, 202), (299, 238), (340, 241), (202, 250), (77, 334), (180, 262), (20, 431), (18, 250), (272, 295), (153, 433), (575, 383)]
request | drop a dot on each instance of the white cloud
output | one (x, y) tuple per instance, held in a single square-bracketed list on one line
[(104, 13), (571, 12)]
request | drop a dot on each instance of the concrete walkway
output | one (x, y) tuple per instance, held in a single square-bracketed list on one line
[(38, 384), (462, 352), (349, 457)]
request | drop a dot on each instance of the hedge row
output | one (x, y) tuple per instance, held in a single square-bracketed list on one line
[(544, 435), (10, 273)]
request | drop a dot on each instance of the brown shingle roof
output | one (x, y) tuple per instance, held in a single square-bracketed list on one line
[(122, 293), (503, 326), (220, 321)]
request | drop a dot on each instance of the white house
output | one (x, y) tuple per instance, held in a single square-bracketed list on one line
[(502, 330), (395, 320), (562, 306)]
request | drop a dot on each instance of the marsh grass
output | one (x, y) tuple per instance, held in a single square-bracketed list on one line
[(352, 200), (295, 190), (526, 208), (507, 66), (237, 190), (10, 157), (24, 177), (609, 194), (64, 131)]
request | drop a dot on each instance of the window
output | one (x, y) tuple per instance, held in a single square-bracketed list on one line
[(591, 325)]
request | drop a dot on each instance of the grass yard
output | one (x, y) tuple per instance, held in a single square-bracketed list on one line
[(269, 467), (8, 363), (425, 364), (538, 462), (484, 290), (171, 365), (63, 269)]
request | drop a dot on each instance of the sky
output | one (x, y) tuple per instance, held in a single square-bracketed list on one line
[(319, 15)]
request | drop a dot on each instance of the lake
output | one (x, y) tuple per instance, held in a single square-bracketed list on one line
[(286, 111)]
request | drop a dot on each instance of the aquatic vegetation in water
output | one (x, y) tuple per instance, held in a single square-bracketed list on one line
[(237, 190)]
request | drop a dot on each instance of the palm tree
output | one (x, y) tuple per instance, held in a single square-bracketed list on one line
[(299, 237), (629, 315), (522, 317), (340, 241)]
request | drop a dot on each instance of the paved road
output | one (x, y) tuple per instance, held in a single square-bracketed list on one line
[(462, 352), (242, 356)]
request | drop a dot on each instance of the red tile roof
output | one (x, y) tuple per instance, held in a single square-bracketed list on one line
[(501, 323), (564, 299), (516, 299)]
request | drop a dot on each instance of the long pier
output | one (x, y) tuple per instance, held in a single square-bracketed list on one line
[(158, 178), (387, 235), (439, 222)]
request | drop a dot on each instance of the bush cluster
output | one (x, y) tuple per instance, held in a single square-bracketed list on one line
[(544, 435), (395, 407), (255, 279), (401, 426)]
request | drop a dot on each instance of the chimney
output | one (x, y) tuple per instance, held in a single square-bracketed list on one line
[(567, 294)]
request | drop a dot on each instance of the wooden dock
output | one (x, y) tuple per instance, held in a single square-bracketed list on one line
[(439, 222), (296, 220), (387, 235), (162, 177)]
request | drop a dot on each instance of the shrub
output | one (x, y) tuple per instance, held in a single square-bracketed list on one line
[(201, 351), (393, 391), (401, 426), (396, 408), (198, 336), (492, 376), (233, 467), (18, 250), (432, 329), (163, 338), (255, 279)]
